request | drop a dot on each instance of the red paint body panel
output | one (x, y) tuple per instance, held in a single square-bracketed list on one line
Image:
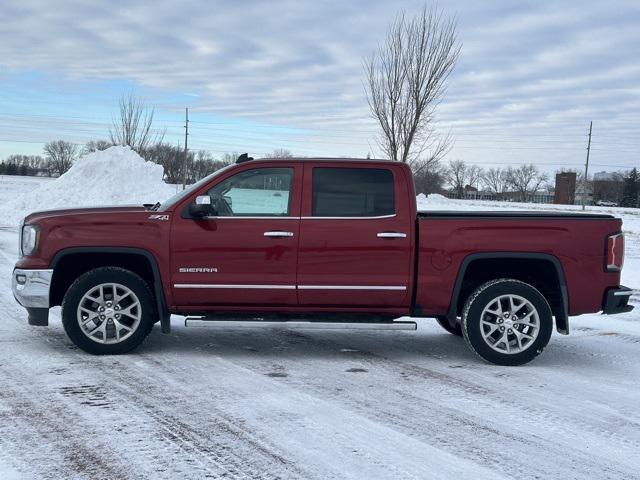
[(239, 252), (327, 252), (577, 243), (128, 227), (347, 252)]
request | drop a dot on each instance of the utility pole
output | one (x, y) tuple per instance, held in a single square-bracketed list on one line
[(186, 135), (586, 168)]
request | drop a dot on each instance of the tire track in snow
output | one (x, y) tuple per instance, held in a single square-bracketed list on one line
[(151, 427), (482, 435)]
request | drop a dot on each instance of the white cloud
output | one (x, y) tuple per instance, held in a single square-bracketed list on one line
[(526, 69)]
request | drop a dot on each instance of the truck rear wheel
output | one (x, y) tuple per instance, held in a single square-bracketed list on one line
[(507, 322), (108, 311), (444, 323)]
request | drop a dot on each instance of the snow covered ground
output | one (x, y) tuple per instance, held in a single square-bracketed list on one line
[(277, 404)]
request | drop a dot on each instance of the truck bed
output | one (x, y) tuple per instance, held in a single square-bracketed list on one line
[(574, 242)]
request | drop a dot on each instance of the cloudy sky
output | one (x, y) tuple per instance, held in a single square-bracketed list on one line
[(260, 75)]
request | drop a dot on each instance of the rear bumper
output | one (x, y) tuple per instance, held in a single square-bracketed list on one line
[(617, 300), (31, 287)]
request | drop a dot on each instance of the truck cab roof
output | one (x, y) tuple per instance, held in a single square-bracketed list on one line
[(326, 159)]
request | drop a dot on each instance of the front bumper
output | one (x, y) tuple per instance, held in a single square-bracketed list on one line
[(617, 300), (31, 287)]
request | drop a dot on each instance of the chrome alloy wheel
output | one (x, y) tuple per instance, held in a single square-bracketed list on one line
[(510, 324), (109, 313)]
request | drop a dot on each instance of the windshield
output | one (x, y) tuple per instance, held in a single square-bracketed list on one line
[(171, 201)]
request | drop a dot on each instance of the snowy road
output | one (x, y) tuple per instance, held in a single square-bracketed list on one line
[(274, 404)]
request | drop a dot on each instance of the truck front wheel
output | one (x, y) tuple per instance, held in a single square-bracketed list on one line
[(108, 310), (507, 322)]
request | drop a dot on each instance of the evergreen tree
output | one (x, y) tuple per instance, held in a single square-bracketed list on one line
[(11, 169), (630, 189)]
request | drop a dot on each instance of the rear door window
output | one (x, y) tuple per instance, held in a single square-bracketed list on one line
[(352, 192)]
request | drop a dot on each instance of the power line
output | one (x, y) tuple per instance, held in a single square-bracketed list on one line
[(223, 127)]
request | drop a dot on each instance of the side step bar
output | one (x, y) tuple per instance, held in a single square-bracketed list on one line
[(294, 324)]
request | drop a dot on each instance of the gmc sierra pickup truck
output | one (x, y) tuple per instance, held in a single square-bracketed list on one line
[(317, 243)]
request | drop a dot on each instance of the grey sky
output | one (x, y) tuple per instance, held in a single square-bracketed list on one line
[(262, 75)]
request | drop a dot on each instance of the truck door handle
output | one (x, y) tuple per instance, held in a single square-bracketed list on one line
[(278, 234), (392, 235)]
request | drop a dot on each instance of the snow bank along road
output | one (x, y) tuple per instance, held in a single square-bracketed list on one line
[(274, 404)]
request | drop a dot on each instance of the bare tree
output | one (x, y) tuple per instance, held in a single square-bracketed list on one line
[(459, 175), (279, 153), (24, 165), (133, 127), (495, 180), (203, 165), (60, 155), (229, 157), (36, 163), (32, 163), (406, 79), (170, 157), (428, 175), (96, 146), (525, 180), (199, 164)]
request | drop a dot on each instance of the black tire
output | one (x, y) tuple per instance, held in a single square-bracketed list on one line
[(444, 323), (472, 324), (90, 280)]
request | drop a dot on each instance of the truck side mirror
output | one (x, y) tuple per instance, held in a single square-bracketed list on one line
[(202, 207)]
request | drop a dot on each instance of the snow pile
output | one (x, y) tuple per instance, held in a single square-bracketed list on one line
[(116, 176), (434, 201)]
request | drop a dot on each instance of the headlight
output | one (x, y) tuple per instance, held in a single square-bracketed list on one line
[(29, 240)]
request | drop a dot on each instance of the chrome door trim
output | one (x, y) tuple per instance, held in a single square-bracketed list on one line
[(274, 217), (249, 287), (352, 287), (268, 217), (292, 287), (349, 218)]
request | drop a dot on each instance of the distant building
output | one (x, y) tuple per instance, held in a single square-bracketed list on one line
[(565, 189)]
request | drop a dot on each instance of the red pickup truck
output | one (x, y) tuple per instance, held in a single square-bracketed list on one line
[(317, 243)]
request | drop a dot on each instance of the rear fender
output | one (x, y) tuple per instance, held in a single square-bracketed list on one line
[(561, 312)]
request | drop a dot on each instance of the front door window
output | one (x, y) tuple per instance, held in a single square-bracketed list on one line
[(261, 192)]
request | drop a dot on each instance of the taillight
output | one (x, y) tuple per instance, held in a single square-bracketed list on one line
[(615, 252)]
